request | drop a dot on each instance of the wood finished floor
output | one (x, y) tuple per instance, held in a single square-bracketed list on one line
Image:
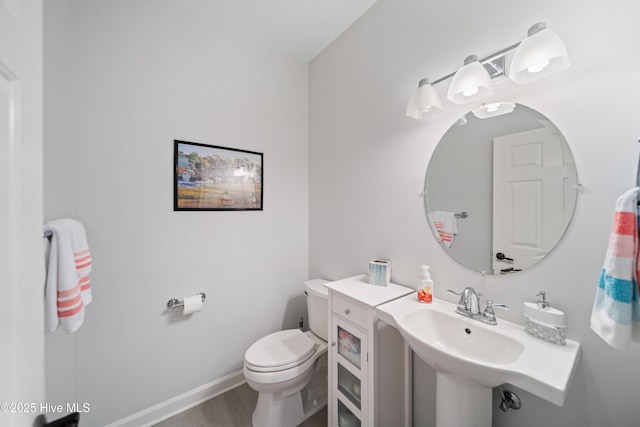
[(231, 409)]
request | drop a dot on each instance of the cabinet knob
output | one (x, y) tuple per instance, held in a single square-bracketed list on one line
[(333, 343), (347, 311)]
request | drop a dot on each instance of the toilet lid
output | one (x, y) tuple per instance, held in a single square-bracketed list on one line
[(280, 350)]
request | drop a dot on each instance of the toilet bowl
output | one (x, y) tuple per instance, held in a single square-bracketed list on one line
[(288, 368)]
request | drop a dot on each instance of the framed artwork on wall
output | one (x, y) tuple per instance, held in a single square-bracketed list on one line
[(213, 178)]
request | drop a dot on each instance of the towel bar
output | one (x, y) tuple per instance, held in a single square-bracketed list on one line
[(175, 302)]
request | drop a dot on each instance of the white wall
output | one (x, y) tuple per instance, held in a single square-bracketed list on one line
[(58, 173), (368, 162), (142, 75)]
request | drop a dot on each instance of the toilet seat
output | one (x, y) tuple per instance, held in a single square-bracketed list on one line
[(280, 351)]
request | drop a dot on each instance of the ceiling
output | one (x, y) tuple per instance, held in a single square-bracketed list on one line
[(300, 28)]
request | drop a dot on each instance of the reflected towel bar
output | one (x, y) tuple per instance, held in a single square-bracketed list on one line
[(175, 302), (461, 215)]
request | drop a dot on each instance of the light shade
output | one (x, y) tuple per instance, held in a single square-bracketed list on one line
[(470, 83), (486, 111), (423, 100), (541, 54)]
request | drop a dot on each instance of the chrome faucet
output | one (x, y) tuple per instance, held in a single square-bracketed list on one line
[(469, 302), (469, 306)]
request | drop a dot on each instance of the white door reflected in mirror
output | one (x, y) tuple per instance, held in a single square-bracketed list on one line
[(527, 166)]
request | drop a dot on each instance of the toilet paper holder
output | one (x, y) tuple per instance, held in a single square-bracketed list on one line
[(175, 302)]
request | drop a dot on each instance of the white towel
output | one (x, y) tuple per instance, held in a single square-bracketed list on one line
[(67, 287), (444, 225), (616, 310)]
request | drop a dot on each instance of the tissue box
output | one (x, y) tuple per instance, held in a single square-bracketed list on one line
[(380, 272)]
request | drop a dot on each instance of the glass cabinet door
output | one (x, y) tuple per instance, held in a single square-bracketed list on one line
[(349, 385), (349, 347), (346, 418), (349, 373)]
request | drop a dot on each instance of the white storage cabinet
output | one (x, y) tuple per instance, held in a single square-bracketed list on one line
[(354, 338)]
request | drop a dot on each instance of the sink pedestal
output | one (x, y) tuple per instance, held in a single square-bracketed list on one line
[(462, 403)]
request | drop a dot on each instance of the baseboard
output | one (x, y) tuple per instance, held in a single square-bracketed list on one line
[(173, 406)]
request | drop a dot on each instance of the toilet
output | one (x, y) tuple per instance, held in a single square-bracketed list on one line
[(288, 368)]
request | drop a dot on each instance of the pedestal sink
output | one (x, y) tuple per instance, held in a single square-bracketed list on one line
[(470, 358)]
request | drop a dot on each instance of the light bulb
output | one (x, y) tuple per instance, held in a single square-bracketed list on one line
[(536, 68), (494, 109), (470, 91)]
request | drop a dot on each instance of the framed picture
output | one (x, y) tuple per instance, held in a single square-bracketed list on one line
[(212, 178)]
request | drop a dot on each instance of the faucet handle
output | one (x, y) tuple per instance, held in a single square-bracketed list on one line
[(462, 302), (490, 315), (491, 304)]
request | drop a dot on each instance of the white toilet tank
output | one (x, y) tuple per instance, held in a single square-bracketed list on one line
[(317, 297)]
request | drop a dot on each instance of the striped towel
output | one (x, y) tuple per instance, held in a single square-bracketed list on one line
[(616, 309), (67, 287), (444, 225)]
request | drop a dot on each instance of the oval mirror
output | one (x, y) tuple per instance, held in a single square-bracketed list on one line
[(501, 188)]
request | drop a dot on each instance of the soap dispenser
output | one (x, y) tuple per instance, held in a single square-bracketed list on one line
[(544, 322), (542, 300), (425, 286)]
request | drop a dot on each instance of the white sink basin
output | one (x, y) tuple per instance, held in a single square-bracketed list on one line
[(469, 351), (459, 340)]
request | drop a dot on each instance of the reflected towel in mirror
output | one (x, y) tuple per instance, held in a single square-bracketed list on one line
[(444, 225)]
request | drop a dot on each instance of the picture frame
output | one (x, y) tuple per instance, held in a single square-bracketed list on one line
[(214, 178)]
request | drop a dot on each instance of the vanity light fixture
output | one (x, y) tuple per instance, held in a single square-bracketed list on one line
[(539, 55), (470, 83), (494, 109), (423, 100)]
